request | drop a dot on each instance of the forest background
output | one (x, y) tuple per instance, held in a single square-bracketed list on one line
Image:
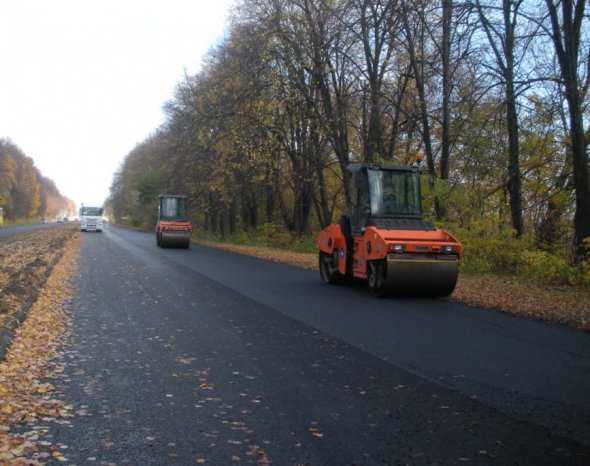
[(25, 194), (493, 93)]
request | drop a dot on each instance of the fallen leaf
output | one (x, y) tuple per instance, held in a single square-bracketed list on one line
[(316, 432)]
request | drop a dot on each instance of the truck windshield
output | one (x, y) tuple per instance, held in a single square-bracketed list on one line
[(173, 207), (394, 193), (90, 212)]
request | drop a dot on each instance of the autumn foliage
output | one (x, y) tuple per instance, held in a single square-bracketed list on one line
[(24, 192), (260, 137)]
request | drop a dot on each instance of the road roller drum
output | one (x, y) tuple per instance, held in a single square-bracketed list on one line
[(395, 276)]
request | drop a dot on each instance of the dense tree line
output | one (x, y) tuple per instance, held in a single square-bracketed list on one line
[(24, 192), (493, 93)]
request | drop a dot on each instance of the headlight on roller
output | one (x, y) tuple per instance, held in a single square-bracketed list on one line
[(448, 249)]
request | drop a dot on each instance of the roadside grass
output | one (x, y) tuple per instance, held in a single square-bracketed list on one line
[(564, 304)]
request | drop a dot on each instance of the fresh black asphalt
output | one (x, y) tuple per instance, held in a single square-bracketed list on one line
[(202, 356)]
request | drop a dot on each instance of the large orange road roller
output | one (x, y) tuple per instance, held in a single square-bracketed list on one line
[(173, 229), (384, 239)]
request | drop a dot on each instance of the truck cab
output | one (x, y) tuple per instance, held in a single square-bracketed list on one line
[(91, 217)]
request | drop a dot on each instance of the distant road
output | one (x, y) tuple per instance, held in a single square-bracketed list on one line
[(203, 356), (6, 231)]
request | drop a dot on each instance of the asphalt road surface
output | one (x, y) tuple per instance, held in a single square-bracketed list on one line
[(202, 356), (12, 230)]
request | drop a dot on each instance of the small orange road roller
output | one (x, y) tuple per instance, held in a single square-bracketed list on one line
[(173, 229), (384, 239)]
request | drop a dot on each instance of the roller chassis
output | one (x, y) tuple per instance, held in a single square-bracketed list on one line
[(173, 235), (173, 229), (391, 248), (424, 271)]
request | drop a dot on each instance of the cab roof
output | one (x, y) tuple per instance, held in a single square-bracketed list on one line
[(357, 167)]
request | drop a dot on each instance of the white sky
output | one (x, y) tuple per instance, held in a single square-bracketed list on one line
[(83, 81)]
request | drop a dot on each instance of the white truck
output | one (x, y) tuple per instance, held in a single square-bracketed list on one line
[(91, 217)]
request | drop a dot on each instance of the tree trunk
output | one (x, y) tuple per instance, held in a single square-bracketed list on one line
[(447, 14), (323, 209), (514, 180), (514, 183), (581, 173), (505, 60), (566, 38), (419, 79)]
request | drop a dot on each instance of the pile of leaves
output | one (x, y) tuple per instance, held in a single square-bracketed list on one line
[(27, 398), (567, 305)]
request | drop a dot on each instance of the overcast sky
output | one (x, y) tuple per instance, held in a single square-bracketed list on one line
[(83, 81)]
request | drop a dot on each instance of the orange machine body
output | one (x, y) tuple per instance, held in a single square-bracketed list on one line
[(378, 244), (385, 240), (173, 228)]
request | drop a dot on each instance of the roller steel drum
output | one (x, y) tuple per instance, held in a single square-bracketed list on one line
[(414, 275), (175, 239)]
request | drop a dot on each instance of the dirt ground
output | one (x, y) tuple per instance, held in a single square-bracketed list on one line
[(25, 263)]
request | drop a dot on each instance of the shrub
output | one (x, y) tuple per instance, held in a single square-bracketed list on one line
[(305, 244), (488, 248), (545, 267), (273, 234), (240, 237), (585, 265)]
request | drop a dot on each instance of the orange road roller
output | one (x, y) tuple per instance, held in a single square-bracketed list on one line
[(173, 229), (384, 239)]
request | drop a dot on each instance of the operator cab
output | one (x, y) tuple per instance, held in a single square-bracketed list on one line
[(172, 208), (387, 197)]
